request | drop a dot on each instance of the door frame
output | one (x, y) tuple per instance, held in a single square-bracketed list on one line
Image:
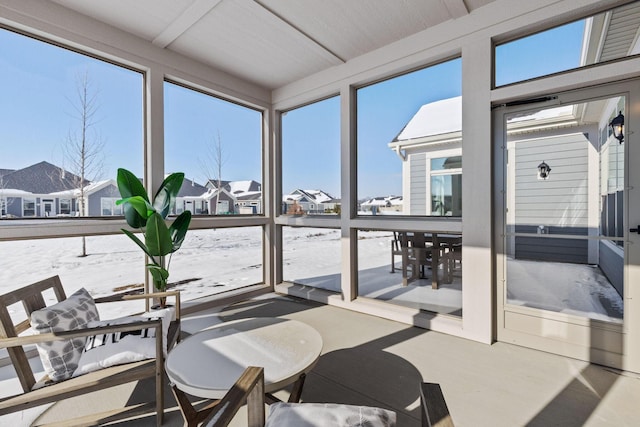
[(606, 343)]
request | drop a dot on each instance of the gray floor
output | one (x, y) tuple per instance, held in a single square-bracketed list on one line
[(372, 361)]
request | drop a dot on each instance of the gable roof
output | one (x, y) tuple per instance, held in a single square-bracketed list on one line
[(190, 188), (6, 171), (435, 118), (41, 178), (235, 187), (315, 196)]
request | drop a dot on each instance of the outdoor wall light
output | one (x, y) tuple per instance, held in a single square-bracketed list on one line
[(617, 126), (543, 170)]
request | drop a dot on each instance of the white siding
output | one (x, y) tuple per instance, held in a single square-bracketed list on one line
[(562, 199)]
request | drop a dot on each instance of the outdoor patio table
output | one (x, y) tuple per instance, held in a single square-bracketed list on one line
[(208, 363), (419, 250)]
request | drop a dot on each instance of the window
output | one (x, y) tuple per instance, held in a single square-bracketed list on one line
[(311, 257), (612, 154), (29, 207), (65, 206), (311, 159), (402, 123), (552, 234), (120, 267), (46, 84), (218, 145), (212, 261), (3, 207), (109, 207), (409, 279), (446, 186), (604, 37)]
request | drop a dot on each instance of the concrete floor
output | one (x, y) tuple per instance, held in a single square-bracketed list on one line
[(372, 361)]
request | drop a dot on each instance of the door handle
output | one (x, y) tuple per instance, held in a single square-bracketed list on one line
[(635, 230)]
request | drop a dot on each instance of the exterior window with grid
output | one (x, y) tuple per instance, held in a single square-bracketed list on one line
[(446, 186), (29, 207)]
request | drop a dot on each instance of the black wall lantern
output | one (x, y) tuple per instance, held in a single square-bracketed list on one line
[(543, 170), (617, 126)]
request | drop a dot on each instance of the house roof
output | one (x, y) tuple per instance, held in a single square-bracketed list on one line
[(41, 178), (383, 201), (435, 118), (255, 195), (236, 187), (6, 171), (191, 188), (315, 196)]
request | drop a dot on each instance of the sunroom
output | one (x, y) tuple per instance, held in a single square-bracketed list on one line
[(462, 167)]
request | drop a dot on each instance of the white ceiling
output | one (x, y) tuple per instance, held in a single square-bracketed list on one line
[(273, 42)]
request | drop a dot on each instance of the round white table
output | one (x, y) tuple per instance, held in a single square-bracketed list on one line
[(209, 362)]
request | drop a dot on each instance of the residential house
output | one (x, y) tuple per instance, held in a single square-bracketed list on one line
[(310, 201), (46, 190), (573, 199), (240, 197), (384, 205)]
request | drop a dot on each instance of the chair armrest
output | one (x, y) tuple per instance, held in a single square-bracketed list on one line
[(250, 388), (175, 294), (85, 332), (433, 406)]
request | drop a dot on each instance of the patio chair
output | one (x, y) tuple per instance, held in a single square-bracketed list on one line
[(433, 407), (47, 390), (396, 248), (249, 388)]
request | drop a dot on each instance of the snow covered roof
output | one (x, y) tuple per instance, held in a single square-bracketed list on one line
[(383, 201), (435, 118), (445, 117), (246, 186), (316, 196), (88, 189)]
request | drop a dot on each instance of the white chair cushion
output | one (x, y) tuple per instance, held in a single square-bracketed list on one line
[(102, 351), (60, 358), (283, 414)]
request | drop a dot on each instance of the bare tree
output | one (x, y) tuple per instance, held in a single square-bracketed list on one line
[(84, 147), (211, 164)]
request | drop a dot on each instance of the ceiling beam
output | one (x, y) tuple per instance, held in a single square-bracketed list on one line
[(332, 54), (189, 17), (456, 8)]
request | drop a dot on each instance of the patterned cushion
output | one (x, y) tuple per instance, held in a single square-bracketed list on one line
[(283, 414), (102, 351), (60, 358)]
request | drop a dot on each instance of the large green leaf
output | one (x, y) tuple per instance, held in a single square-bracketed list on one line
[(141, 205), (129, 185), (158, 237), (133, 217), (179, 228), (160, 276), (165, 198)]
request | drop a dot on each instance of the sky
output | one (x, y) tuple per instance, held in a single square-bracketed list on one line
[(37, 114)]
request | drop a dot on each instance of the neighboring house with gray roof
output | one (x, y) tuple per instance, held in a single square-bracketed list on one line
[(47, 190), (239, 197)]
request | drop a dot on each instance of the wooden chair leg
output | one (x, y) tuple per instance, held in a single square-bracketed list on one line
[(191, 417), (296, 392)]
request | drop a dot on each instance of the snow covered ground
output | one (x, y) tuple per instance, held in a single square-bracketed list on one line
[(212, 261)]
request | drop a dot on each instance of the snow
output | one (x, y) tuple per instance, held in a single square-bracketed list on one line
[(218, 260), (435, 118)]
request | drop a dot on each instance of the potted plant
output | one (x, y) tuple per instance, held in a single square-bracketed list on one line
[(160, 240)]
